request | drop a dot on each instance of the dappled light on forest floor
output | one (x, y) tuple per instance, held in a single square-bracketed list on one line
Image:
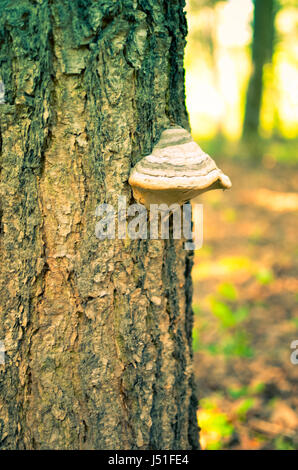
[(246, 315), (241, 90)]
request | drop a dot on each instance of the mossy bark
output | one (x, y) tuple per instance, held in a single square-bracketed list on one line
[(97, 333)]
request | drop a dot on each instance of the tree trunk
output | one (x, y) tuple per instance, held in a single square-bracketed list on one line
[(262, 51), (97, 334)]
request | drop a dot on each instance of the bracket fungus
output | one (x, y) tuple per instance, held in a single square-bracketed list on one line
[(176, 171)]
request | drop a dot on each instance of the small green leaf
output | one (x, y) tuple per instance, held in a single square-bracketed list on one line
[(223, 313), (244, 407), (237, 345), (195, 340), (237, 392), (264, 276), (228, 291)]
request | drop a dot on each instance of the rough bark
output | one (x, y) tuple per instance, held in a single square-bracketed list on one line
[(97, 333), (262, 51)]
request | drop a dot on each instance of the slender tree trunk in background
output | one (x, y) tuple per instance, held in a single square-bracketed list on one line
[(97, 333), (262, 51)]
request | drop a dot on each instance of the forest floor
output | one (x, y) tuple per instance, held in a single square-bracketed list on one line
[(246, 316)]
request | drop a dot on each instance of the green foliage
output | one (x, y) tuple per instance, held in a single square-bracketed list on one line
[(237, 392), (237, 344), (195, 340), (257, 388), (216, 428), (228, 291), (244, 407), (283, 443), (233, 341), (223, 313), (264, 276), (196, 309), (228, 317), (241, 392)]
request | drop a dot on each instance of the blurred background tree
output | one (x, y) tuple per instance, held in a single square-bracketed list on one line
[(241, 75), (262, 53)]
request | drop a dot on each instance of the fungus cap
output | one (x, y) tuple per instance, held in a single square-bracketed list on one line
[(176, 171)]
